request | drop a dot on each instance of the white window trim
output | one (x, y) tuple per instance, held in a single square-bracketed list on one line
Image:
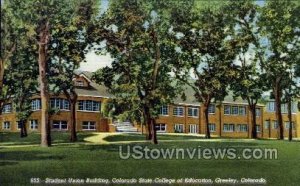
[(35, 124), (60, 123), (214, 127), (89, 125), (179, 124), (193, 108), (3, 124), (211, 113), (238, 110), (162, 131), (182, 111), (196, 129), (229, 124), (229, 110), (167, 110)]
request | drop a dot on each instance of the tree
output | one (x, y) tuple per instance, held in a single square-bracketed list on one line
[(136, 36), (278, 24), (204, 54), (41, 21), (68, 51), (22, 75), (249, 83)]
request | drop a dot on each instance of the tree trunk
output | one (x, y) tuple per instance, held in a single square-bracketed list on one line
[(253, 116), (220, 120), (42, 60), (153, 131), (72, 98), (206, 120), (290, 119), (148, 123), (1, 74), (277, 93), (73, 136), (23, 128)]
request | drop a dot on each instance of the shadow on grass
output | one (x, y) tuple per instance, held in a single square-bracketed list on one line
[(8, 163), (28, 156), (13, 138)]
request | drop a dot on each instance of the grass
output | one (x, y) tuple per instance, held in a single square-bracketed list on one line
[(18, 165)]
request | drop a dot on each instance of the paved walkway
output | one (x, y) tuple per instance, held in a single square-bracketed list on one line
[(99, 139)]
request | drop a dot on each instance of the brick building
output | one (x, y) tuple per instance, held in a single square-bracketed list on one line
[(230, 118)]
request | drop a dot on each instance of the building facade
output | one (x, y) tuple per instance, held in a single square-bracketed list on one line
[(230, 118)]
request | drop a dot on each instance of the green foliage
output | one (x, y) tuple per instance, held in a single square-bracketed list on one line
[(205, 49), (136, 36)]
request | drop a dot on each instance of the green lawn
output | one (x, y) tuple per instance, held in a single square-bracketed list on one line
[(19, 164)]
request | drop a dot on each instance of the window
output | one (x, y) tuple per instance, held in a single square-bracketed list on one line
[(211, 109), (257, 110), (227, 110), (267, 124), (234, 110), (193, 112), (59, 103), (178, 111), (242, 127), (287, 125), (258, 128), (161, 127), (178, 128), (19, 125), (36, 104), (34, 124), (212, 127), (6, 125), (60, 125), (88, 125), (164, 111), (193, 129), (228, 127), (242, 110), (7, 108), (79, 83), (88, 105), (275, 124), (284, 108), (271, 106)]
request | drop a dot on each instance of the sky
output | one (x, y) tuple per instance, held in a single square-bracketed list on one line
[(94, 61)]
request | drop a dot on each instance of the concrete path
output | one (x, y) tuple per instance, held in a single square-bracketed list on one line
[(99, 139)]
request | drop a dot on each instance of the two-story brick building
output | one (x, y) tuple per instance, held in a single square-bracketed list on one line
[(230, 118)]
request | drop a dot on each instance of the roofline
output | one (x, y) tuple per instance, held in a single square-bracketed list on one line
[(83, 75), (94, 96)]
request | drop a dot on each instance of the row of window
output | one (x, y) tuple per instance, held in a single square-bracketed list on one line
[(59, 103), (179, 111), (275, 125), (56, 125), (193, 128), (178, 128), (238, 110), (271, 107), (194, 111)]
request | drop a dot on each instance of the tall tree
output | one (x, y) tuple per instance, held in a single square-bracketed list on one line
[(22, 75), (249, 83), (136, 36), (68, 51), (204, 54), (278, 24), (41, 20)]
